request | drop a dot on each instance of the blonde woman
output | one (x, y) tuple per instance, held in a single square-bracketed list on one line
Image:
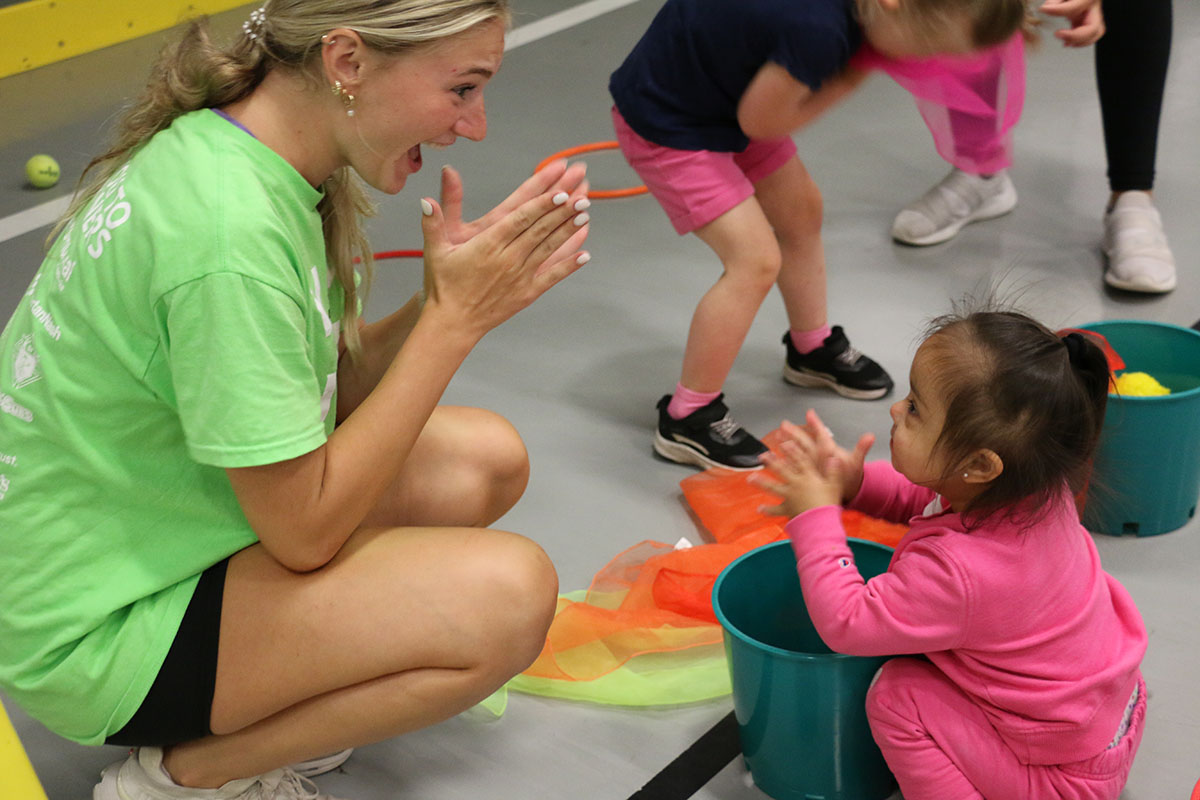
[(239, 530)]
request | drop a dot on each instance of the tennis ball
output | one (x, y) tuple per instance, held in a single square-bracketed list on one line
[(42, 171)]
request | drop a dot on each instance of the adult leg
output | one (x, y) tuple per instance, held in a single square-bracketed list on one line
[(468, 467), (404, 627), (1131, 70)]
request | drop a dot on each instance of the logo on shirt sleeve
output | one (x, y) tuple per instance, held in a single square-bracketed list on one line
[(25, 363)]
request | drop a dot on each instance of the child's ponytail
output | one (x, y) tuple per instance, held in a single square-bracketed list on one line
[(1090, 364)]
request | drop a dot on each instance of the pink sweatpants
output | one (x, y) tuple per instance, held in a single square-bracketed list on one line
[(970, 103), (940, 745)]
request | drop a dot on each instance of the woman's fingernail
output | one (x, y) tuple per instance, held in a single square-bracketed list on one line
[(583, 258), (580, 219), (426, 207), (583, 203), (560, 198)]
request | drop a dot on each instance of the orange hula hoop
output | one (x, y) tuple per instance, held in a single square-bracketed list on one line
[(595, 194), (591, 147)]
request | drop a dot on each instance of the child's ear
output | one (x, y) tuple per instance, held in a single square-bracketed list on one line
[(983, 467), (888, 5)]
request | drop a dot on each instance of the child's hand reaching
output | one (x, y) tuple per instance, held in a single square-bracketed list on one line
[(811, 469)]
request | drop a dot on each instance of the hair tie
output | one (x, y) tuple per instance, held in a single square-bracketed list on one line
[(1075, 344), (253, 26)]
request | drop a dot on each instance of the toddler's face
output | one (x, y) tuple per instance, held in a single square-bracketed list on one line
[(917, 421)]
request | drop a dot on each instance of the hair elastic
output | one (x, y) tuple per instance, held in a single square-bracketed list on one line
[(1075, 345)]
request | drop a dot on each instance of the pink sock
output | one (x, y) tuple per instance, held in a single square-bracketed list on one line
[(807, 341), (685, 401)]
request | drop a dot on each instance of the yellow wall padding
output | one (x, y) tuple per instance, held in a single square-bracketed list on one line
[(17, 778), (39, 32)]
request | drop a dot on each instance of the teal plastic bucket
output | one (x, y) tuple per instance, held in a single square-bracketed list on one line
[(1146, 473), (800, 707)]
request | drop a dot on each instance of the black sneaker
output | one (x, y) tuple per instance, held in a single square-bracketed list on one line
[(836, 365), (708, 437)]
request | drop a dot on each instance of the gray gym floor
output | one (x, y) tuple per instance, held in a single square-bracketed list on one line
[(580, 371)]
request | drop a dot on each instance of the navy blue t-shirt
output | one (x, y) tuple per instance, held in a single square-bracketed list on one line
[(681, 85)]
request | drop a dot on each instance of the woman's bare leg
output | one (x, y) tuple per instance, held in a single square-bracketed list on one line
[(406, 626), (468, 467)]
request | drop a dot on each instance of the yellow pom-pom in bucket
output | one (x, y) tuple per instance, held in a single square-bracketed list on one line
[(1139, 384)]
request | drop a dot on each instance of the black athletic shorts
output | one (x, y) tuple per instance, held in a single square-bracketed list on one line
[(179, 704)]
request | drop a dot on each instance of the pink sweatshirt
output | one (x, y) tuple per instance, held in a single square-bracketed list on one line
[(1024, 621)]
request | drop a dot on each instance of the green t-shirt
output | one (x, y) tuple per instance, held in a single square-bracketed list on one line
[(182, 323)]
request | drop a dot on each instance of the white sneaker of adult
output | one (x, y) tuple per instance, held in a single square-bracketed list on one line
[(142, 777), (956, 200), (319, 766), (1139, 258)]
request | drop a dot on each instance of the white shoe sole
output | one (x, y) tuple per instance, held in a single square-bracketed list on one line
[(813, 380), (997, 206), (1143, 286), (1141, 283), (319, 766), (682, 454)]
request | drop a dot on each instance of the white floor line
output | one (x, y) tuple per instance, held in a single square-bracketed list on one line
[(47, 213), (560, 21), (33, 218)]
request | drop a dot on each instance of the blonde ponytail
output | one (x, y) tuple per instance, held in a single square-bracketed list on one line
[(190, 73)]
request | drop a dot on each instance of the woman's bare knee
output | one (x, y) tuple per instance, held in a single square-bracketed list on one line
[(503, 467), (522, 587), (468, 468)]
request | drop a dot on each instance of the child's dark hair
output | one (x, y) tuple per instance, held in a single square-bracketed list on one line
[(1017, 388)]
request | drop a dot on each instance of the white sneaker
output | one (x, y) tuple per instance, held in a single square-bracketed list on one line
[(1139, 259), (319, 766), (142, 777), (958, 199)]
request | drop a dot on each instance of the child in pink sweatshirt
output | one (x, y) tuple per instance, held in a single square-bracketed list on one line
[(1019, 675)]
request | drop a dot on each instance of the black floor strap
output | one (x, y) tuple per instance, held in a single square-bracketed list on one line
[(696, 766)]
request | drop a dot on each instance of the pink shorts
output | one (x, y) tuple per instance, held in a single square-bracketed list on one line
[(695, 187)]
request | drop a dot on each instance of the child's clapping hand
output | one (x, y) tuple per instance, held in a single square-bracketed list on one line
[(811, 470)]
